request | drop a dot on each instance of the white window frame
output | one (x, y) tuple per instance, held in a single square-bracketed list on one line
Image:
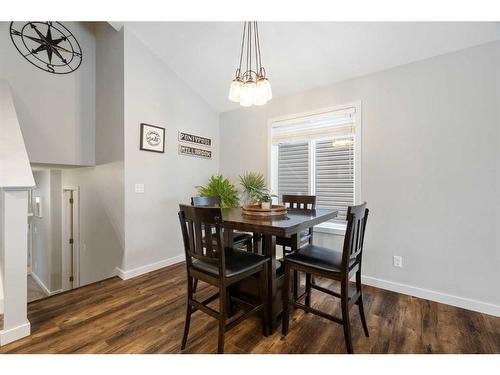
[(328, 227)]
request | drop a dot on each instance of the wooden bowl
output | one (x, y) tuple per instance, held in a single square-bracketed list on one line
[(258, 211)]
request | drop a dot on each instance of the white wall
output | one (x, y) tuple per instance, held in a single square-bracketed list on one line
[(56, 196), (102, 187), (155, 95), (101, 218), (430, 170), (56, 111), (109, 97), (42, 230), (1, 252), (47, 230)]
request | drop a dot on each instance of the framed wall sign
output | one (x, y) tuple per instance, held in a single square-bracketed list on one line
[(195, 151), (196, 139), (152, 138)]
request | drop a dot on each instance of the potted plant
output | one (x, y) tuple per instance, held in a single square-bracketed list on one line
[(220, 186), (253, 184), (265, 199)]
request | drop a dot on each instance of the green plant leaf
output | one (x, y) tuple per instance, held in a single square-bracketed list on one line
[(220, 186), (253, 185)]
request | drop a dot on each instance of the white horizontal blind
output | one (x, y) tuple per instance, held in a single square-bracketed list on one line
[(334, 176), (336, 124), (316, 155), (293, 168)]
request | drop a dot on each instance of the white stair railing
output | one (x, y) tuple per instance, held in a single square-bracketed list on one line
[(16, 179)]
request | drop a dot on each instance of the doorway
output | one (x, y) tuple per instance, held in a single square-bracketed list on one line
[(53, 234), (70, 238)]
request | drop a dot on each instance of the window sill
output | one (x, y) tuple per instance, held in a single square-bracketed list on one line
[(331, 228)]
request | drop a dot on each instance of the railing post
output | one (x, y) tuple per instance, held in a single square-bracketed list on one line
[(13, 263)]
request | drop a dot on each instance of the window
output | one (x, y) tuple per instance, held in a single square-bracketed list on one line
[(319, 154)]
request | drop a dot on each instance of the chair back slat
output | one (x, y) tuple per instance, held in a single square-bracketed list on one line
[(198, 238), (205, 201), (357, 217), (202, 232), (304, 202)]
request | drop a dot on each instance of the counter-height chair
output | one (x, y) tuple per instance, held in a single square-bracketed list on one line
[(207, 259), (239, 239), (334, 265), (303, 202)]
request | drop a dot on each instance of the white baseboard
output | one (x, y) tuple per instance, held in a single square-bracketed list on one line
[(43, 286), (448, 299), (128, 274), (16, 333)]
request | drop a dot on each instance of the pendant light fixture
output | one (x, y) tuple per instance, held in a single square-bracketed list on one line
[(250, 87)]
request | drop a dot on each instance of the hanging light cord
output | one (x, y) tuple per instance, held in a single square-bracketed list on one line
[(238, 72), (249, 42), (257, 49)]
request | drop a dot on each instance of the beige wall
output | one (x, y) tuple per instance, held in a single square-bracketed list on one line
[(430, 168)]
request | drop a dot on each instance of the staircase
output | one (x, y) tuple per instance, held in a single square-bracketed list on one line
[(16, 179)]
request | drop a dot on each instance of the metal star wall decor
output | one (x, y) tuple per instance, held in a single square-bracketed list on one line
[(49, 46)]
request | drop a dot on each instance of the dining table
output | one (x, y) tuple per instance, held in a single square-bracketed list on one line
[(267, 229)]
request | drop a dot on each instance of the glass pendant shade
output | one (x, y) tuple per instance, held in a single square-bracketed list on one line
[(267, 89), (235, 90), (250, 87), (247, 94), (264, 93)]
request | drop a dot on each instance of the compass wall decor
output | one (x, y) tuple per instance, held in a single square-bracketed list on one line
[(48, 45)]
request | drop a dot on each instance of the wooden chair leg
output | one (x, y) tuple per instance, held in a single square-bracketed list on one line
[(286, 301), (263, 300), (360, 303), (189, 311), (195, 285), (308, 290), (345, 316), (249, 246), (222, 319), (256, 242), (295, 285)]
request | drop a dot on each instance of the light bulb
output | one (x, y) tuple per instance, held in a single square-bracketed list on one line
[(342, 142), (247, 93), (265, 87), (260, 93), (235, 89)]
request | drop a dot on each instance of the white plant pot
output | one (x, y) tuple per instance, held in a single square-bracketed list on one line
[(265, 205)]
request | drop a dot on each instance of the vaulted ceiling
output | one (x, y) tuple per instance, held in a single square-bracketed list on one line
[(302, 55)]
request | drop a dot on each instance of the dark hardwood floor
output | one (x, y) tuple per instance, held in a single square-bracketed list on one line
[(146, 315)]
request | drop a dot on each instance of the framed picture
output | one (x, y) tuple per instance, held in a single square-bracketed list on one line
[(152, 138)]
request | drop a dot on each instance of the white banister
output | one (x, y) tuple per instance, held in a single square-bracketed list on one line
[(16, 179)]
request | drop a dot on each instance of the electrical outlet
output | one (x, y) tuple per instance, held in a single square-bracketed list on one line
[(139, 188), (397, 261)]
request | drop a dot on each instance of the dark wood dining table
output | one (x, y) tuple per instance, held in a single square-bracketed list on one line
[(268, 229)]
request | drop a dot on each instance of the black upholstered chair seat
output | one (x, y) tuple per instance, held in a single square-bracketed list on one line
[(237, 262), (321, 258)]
